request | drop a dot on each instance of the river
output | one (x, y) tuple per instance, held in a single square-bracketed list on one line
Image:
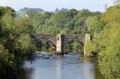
[(69, 66)]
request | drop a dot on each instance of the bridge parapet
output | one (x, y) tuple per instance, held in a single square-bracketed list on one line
[(50, 37)]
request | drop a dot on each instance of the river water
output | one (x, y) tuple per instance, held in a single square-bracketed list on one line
[(69, 66)]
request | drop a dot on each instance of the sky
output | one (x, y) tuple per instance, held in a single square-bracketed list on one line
[(51, 5)]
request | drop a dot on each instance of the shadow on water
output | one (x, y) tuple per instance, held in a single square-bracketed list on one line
[(69, 66), (24, 73)]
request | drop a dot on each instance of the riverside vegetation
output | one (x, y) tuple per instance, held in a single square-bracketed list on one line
[(16, 44)]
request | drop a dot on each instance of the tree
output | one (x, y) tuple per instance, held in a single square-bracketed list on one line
[(60, 19), (109, 61), (105, 30), (7, 65), (76, 46), (72, 12), (15, 42)]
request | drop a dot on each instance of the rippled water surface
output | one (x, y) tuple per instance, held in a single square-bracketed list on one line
[(71, 66)]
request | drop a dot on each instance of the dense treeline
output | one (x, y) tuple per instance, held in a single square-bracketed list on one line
[(105, 29), (15, 42), (63, 22)]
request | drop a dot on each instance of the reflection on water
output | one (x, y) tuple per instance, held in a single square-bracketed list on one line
[(71, 66), (58, 69)]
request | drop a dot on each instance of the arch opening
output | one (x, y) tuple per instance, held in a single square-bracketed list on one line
[(44, 45), (74, 46)]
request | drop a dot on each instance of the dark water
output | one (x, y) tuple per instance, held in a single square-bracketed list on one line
[(71, 66)]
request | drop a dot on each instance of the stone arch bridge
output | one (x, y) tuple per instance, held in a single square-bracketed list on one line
[(60, 40)]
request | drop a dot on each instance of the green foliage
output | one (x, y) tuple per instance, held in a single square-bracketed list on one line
[(77, 47), (105, 29), (23, 25), (60, 19), (44, 45), (15, 42), (23, 42), (96, 24), (74, 46), (63, 22), (91, 47), (4, 10), (7, 64), (72, 13), (111, 54)]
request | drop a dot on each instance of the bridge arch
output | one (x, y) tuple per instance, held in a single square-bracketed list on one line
[(45, 45), (50, 37), (47, 37), (54, 43), (74, 46), (74, 40)]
